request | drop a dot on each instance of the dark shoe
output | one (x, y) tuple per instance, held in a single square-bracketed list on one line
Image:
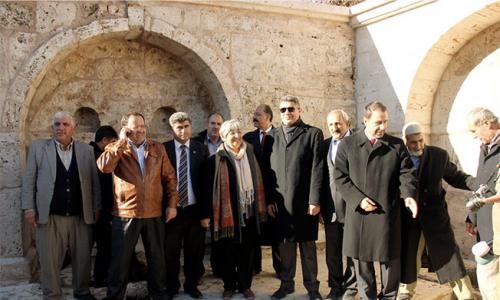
[(227, 294), (282, 292), (315, 296), (88, 296), (247, 293), (194, 293), (98, 283), (334, 294)]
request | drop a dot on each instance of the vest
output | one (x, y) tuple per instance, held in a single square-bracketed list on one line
[(67, 197)]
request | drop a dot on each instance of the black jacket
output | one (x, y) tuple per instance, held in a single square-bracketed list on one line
[(433, 219), (384, 173), (297, 174), (198, 155)]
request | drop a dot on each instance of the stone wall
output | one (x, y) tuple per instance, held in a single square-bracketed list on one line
[(99, 60)]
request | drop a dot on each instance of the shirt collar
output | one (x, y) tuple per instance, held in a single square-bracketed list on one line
[(178, 145), (61, 147), (336, 141), (219, 141), (267, 130), (137, 147)]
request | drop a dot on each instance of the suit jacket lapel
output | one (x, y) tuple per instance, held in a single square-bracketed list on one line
[(51, 152), (79, 160), (423, 161), (193, 156)]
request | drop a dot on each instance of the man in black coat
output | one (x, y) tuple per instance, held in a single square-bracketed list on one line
[(297, 173), (102, 228), (188, 158), (484, 125), (373, 171), (210, 137), (333, 211), (432, 229), (262, 141)]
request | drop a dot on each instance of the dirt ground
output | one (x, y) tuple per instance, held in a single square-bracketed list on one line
[(264, 284)]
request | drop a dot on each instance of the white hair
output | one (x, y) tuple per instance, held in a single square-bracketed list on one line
[(61, 115), (228, 126)]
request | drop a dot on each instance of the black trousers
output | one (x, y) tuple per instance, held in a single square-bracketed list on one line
[(237, 269), (389, 276), (338, 280), (125, 233), (308, 259), (184, 231), (102, 239)]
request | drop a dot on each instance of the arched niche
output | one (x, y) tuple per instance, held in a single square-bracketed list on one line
[(159, 125), (87, 120)]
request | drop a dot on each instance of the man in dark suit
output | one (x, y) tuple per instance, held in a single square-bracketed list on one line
[(432, 231), (333, 211), (262, 141), (373, 171), (188, 158), (210, 137), (61, 198), (484, 125), (297, 173), (102, 228)]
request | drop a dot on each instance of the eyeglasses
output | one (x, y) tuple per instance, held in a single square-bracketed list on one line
[(284, 109)]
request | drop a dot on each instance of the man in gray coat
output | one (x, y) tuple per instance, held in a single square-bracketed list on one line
[(373, 171), (297, 173), (484, 125), (61, 199)]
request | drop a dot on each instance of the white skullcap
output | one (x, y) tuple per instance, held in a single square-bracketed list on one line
[(411, 128)]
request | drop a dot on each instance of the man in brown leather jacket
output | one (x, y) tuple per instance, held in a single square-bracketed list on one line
[(142, 177)]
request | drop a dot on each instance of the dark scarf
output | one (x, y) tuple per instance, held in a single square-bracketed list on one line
[(290, 129), (221, 197)]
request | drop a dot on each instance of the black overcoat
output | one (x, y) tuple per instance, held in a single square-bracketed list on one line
[(297, 174), (384, 173), (433, 219)]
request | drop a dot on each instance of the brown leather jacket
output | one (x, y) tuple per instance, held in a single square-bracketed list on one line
[(138, 196)]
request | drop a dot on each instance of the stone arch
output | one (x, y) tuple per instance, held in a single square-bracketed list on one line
[(428, 76), (213, 72)]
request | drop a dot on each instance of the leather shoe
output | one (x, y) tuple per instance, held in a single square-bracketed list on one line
[(88, 296), (282, 292), (249, 294), (227, 294), (315, 296), (334, 295), (194, 293)]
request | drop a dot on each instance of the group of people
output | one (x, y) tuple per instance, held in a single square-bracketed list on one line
[(380, 198)]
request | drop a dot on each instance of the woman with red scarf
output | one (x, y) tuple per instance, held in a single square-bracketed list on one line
[(235, 207)]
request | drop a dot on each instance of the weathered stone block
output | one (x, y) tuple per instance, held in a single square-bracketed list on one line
[(10, 167), (21, 44), (16, 15), (10, 222), (97, 10), (136, 17), (54, 15), (170, 14)]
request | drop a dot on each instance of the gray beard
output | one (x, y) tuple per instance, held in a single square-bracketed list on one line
[(418, 153)]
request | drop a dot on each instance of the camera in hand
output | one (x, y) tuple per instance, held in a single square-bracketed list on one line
[(474, 203)]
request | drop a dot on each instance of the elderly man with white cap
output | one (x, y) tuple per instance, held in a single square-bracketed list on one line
[(432, 231)]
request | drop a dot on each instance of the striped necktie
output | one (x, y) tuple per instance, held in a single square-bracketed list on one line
[(183, 179)]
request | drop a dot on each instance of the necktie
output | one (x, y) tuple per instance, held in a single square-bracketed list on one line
[(263, 140), (373, 141), (183, 179)]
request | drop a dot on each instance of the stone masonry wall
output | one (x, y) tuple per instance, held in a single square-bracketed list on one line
[(100, 59)]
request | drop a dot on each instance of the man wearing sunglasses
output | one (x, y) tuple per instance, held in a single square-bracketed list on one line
[(296, 174)]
